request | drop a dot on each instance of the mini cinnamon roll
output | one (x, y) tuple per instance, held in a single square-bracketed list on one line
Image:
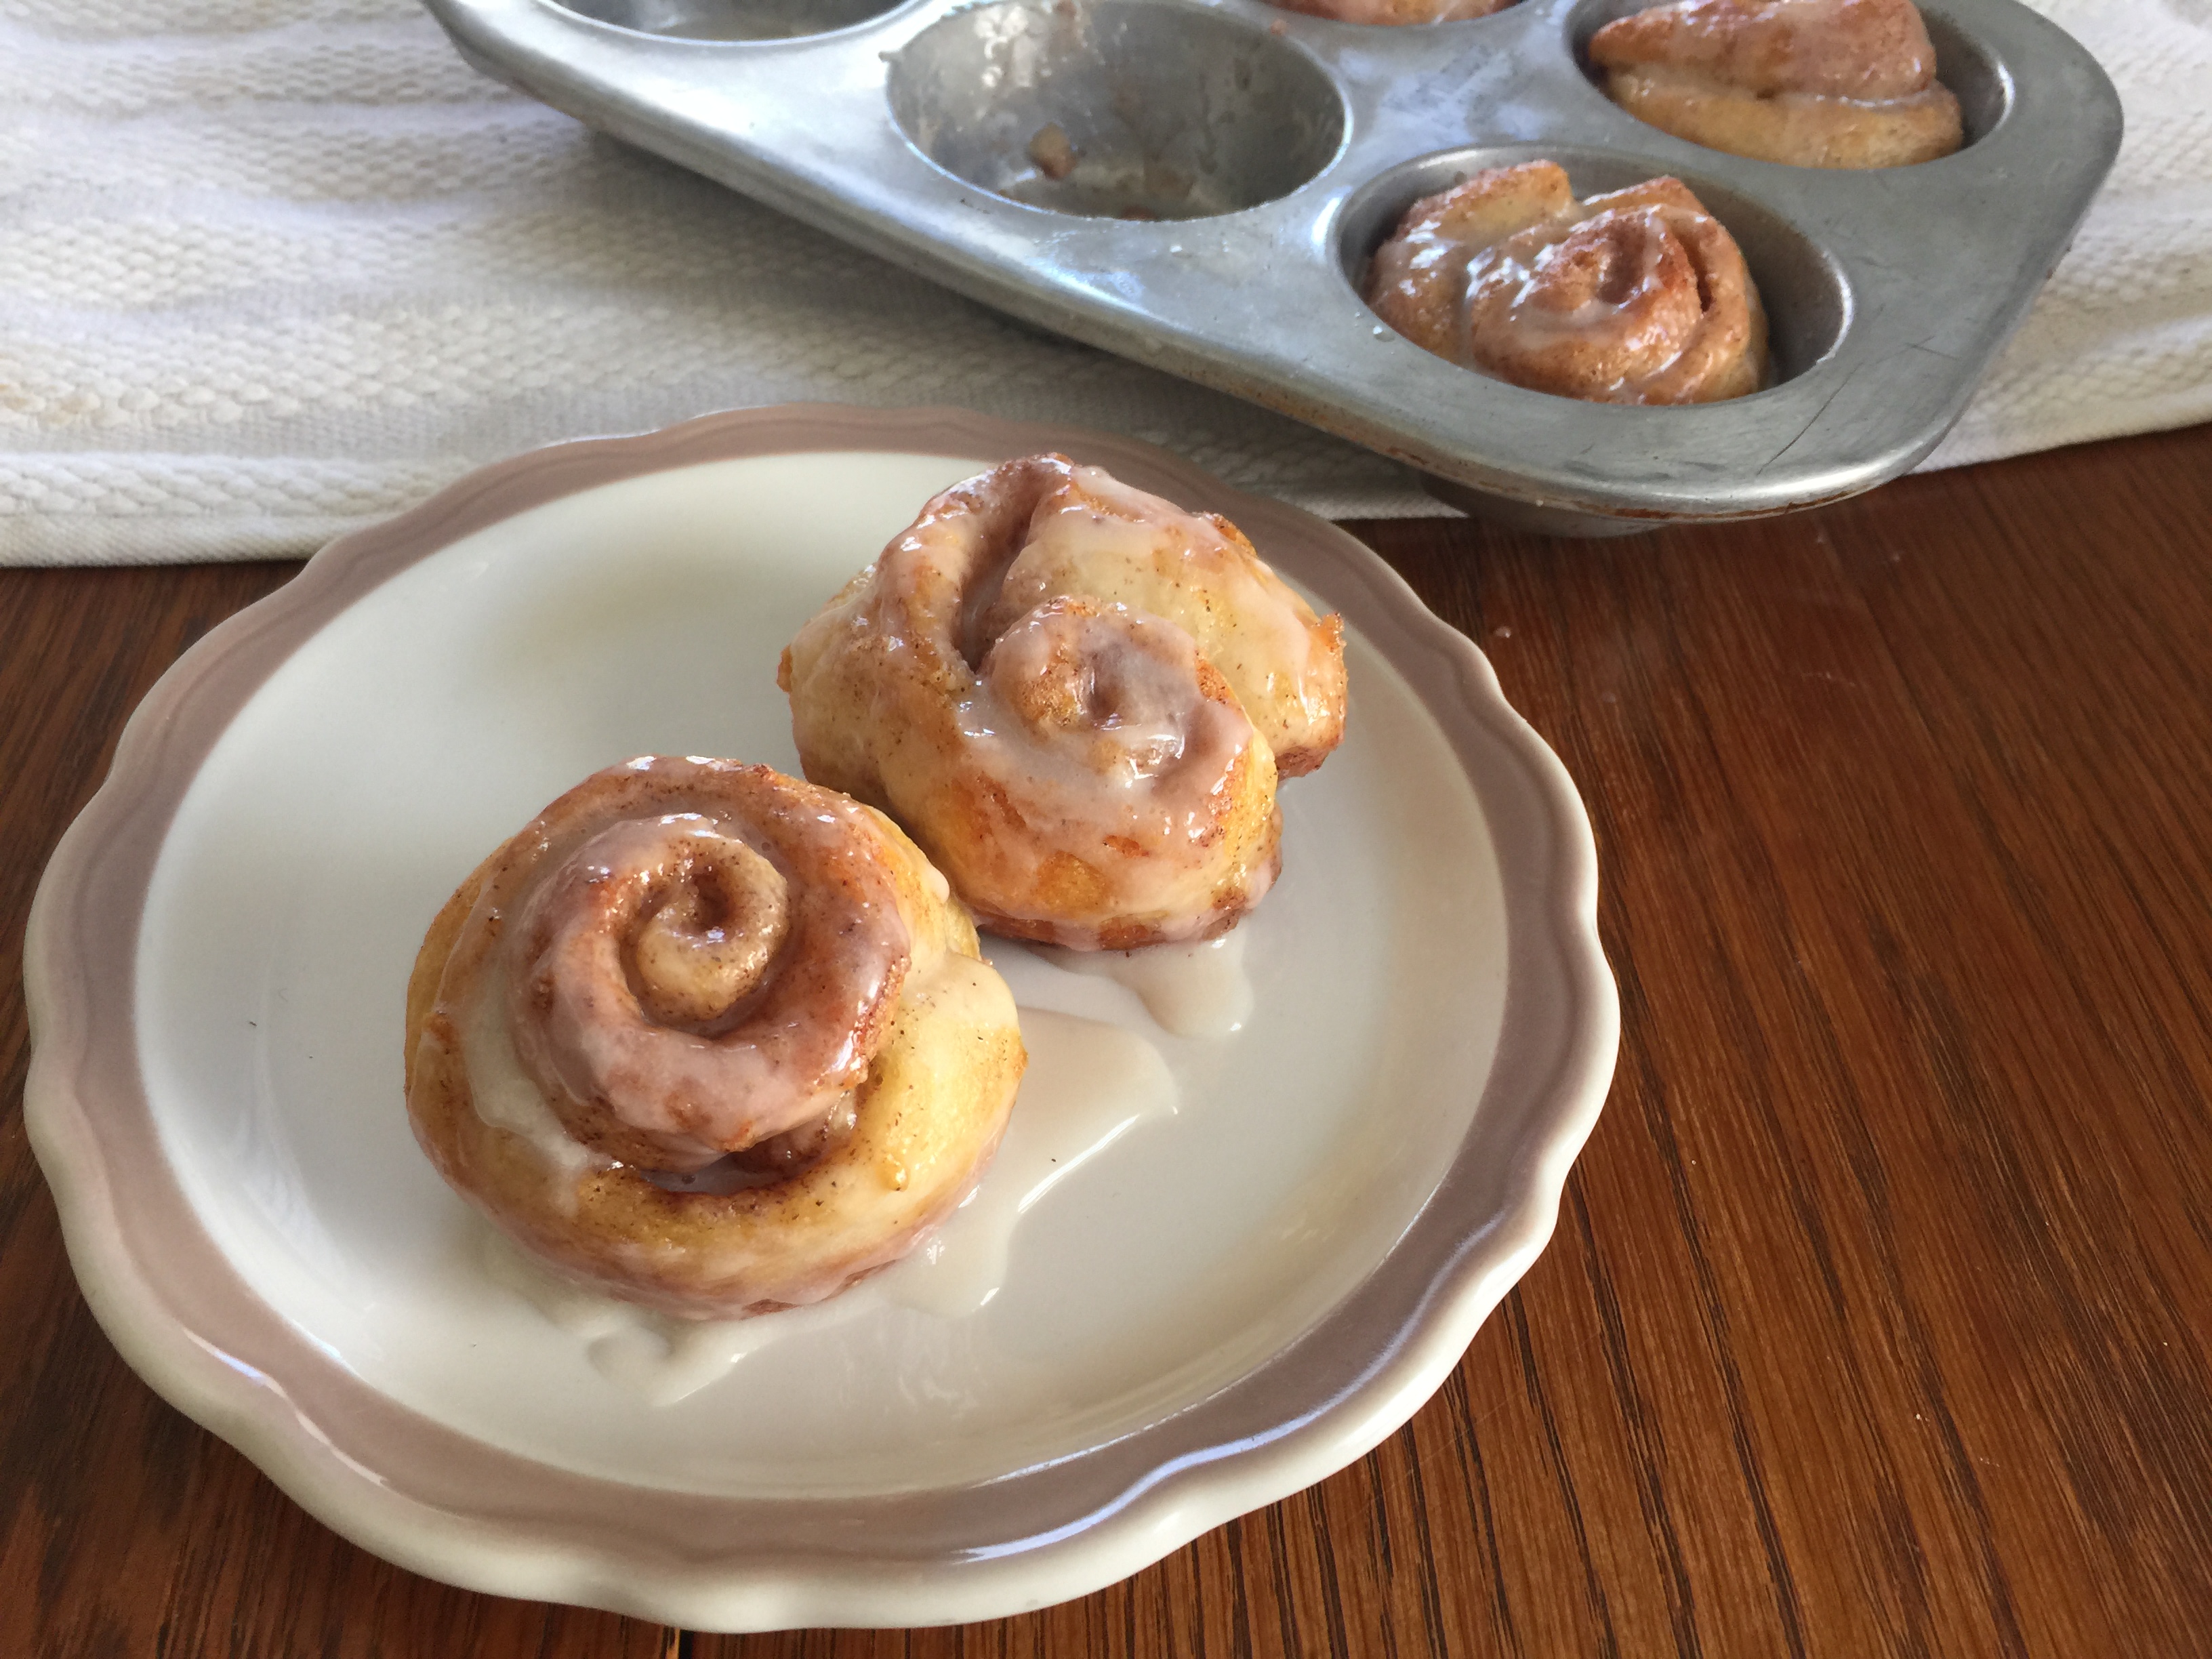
[(1815, 83), (1636, 297), (710, 1038), (1079, 698), (1397, 11)]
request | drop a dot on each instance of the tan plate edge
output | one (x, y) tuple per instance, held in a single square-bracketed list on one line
[(446, 1505)]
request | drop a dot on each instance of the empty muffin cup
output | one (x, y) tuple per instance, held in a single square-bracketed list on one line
[(1126, 109), (730, 20)]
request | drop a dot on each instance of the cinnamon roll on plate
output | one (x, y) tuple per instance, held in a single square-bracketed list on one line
[(1639, 296), (1078, 699), (1815, 83), (709, 1038)]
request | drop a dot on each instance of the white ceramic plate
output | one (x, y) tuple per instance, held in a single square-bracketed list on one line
[(1222, 1305)]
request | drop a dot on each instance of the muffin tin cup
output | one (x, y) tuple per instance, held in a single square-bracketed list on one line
[(1198, 186)]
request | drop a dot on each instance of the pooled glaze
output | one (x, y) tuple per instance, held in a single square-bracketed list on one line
[(1189, 990), (1094, 1084), (1075, 695), (1088, 1084)]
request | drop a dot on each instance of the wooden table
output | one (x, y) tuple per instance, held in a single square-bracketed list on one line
[(1879, 1318)]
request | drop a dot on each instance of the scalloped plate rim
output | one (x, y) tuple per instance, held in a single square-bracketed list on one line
[(596, 1543)]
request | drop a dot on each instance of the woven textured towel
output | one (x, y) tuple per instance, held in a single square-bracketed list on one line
[(271, 269)]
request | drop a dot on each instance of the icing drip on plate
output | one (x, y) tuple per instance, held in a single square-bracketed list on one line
[(1089, 1083), (1190, 990)]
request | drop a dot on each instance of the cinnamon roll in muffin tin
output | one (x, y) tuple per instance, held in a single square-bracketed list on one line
[(1199, 184)]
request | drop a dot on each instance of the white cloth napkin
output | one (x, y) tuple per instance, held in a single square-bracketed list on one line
[(272, 270)]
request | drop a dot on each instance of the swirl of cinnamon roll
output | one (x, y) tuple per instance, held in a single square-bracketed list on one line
[(1640, 296), (711, 1038), (1397, 11), (1815, 83), (1079, 698)]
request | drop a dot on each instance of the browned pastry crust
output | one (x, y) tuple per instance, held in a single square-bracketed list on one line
[(819, 1206), (1821, 83), (1636, 297), (1397, 11), (1077, 698)]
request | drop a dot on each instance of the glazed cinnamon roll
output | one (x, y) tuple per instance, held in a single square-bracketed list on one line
[(710, 1038), (1077, 697), (1638, 297), (1816, 83), (1397, 11)]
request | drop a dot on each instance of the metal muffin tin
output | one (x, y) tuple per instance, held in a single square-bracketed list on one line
[(1274, 151)]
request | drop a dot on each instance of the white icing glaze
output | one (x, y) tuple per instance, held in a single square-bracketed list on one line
[(954, 680), (578, 965), (658, 1358), (1131, 706), (1088, 1083), (1191, 990), (1636, 276), (1253, 630), (1087, 707), (505, 1095), (1097, 719), (933, 880), (1634, 319)]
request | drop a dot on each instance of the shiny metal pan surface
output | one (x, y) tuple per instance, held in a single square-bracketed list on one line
[(1233, 166)]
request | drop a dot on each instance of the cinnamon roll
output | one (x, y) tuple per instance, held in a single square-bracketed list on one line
[(1077, 698), (1397, 11), (710, 1038), (1640, 296), (1816, 83)]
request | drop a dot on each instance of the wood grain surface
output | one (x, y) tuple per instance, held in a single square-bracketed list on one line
[(1877, 1320)]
